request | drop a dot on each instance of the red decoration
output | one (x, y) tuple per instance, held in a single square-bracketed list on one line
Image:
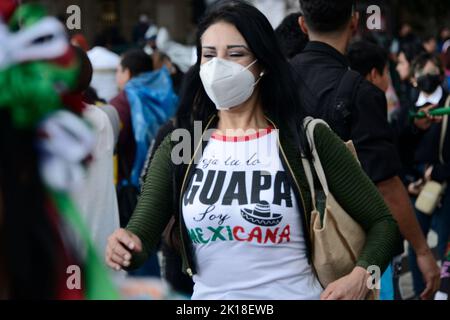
[(74, 102), (66, 258), (7, 8), (80, 40), (66, 59)]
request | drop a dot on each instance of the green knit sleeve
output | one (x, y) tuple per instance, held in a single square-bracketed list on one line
[(359, 197), (154, 208)]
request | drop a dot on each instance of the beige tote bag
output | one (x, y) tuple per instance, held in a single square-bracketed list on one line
[(337, 239)]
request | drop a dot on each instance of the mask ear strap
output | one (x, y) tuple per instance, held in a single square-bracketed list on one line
[(251, 64), (260, 77)]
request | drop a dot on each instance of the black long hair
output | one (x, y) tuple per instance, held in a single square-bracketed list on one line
[(277, 92)]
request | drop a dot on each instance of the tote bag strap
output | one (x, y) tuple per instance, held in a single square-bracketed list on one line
[(310, 125), (310, 178), (309, 172)]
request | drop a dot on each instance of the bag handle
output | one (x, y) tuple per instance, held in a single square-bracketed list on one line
[(443, 133), (310, 125), (310, 178)]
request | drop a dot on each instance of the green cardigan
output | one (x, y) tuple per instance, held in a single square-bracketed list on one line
[(347, 182)]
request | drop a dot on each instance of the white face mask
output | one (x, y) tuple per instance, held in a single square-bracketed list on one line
[(228, 84)]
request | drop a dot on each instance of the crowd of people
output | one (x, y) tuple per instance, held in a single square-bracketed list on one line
[(199, 165)]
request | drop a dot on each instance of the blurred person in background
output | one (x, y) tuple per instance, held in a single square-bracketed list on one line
[(160, 60), (406, 132), (171, 262), (430, 44), (291, 38), (183, 56), (428, 76), (372, 62), (147, 101), (407, 35), (140, 29), (105, 64), (447, 67), (443, 37), (96, 196), (406, 55), (90, 95), (133, 63)]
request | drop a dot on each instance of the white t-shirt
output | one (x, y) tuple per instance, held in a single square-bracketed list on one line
[(245, 224)]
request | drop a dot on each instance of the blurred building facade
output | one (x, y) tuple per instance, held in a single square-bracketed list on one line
[(118, 17), (100, 16)]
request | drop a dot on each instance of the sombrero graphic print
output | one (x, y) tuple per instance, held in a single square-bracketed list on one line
[(261, 215)]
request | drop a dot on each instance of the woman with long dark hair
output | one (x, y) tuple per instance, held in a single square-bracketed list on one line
[(239, 193)]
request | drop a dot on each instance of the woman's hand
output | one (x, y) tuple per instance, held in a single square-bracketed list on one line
[(121, 246), (351, 287)]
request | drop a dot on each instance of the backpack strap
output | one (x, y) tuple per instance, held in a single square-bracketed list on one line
[(344, 101)]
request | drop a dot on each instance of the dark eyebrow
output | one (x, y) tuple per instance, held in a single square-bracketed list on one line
[(238, 46), (228, 47)]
